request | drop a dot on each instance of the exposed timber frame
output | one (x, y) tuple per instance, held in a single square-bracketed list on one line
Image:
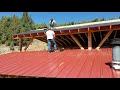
[(71, 35), (77, 42), (29, 43), (105, 38)]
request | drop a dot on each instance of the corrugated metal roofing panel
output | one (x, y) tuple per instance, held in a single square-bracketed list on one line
[(74, 63)]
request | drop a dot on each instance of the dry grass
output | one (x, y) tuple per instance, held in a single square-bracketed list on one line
[(36, 45)]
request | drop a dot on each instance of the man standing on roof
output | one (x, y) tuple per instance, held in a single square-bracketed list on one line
[(52, 23), (51, 38)]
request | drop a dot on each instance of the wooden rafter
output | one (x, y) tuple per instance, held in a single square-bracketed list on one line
[(42, 40), (86, 35), (70, 38), (115, 34), (100, 35), (77, 42), (104, 39), (65, 39), (94, 36), (61, 41), (81, 37), (58, 43)]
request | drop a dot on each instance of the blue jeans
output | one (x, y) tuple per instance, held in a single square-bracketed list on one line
[(49, 44)]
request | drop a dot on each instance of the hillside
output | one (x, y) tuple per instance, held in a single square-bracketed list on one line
[(36, 45)]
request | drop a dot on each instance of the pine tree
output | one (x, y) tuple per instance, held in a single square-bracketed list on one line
[(12, 46), (27, 22), (95, 20), (103, 19)]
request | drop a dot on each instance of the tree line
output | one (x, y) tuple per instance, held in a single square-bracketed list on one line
[(14, 25)]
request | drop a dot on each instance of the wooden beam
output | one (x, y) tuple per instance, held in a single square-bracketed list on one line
[(100, 35), (20, 44), (115, 33), (86, 35), (94, 36), (81, 38), (59, 44), (89, 40), (28, 44), (65, 39), (61, 41), (77, 42), (70, 39), (105, 38)]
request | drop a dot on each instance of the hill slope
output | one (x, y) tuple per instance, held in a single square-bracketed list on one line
[(36, 45)]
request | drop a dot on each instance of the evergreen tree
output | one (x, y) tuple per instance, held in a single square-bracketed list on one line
[(40, 26), (12, 46), (95, 20), (111, 18), (27, 22), (103, 19), (15, 25)]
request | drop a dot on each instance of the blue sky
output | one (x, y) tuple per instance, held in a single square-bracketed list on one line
[(62, 17)]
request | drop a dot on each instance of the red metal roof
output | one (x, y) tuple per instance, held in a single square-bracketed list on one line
[(66, 64)]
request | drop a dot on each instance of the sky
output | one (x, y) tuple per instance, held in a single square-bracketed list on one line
[(64, 17)]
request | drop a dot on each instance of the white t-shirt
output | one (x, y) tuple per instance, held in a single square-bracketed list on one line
[(50, 34)]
